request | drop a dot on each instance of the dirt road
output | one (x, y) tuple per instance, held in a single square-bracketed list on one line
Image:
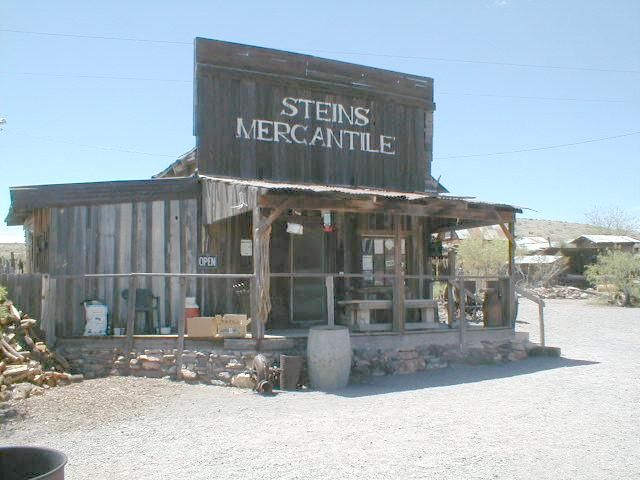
[(576, 417)]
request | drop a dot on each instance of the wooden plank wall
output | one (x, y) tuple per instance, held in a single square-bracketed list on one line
[(158, 236), (25, 290), (239, 81)]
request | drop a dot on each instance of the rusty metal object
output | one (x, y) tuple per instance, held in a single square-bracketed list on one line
[(265, 387), (261, 367)]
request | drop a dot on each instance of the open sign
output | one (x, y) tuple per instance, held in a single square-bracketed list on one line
[(207, 261)]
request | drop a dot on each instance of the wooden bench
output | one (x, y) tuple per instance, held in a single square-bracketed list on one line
[(359, 313)]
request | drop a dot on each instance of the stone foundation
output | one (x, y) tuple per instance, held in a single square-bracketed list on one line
[(225, 367)]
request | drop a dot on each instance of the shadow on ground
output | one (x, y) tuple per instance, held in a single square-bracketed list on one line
[(458, 374)]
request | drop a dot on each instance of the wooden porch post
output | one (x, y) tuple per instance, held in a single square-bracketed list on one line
[(181, 327), (257, 322), (512, 291), (131, 311), (330, 300), (419, 254), (451, 298), (463, 320), (398, 279)]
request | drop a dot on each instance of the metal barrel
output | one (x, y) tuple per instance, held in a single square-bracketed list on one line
[(31, 463)]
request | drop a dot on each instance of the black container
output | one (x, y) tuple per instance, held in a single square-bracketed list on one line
[(290, 370), (31, 463)]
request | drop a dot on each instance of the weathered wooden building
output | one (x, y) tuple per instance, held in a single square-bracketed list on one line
[(310, 182)]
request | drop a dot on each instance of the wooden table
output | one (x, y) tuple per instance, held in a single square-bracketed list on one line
[(359, 312)]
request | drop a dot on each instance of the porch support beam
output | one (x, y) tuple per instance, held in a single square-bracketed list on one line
[(398, 283), (257, 281), (131, 312), (432, 207)]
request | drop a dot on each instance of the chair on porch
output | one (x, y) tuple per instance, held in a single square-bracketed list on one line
[(147, 303)]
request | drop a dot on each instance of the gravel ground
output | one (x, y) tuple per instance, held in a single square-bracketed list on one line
[(576, 417)]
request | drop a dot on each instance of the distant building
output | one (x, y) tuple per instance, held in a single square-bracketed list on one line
[(607, 242), (532, 245)]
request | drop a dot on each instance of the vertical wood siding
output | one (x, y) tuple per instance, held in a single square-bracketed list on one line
[(159, 236)]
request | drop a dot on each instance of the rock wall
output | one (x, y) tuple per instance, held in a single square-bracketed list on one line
[(371, 362), (235, 367)]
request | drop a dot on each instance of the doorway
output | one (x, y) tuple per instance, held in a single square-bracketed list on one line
[(307, 296)]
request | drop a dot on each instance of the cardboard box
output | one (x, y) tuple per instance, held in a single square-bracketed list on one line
[(202, 326), (233, 326)]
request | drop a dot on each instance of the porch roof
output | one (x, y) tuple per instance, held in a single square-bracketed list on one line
[(225, 197)]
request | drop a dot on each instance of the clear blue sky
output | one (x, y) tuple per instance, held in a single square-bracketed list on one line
[(509, 75)]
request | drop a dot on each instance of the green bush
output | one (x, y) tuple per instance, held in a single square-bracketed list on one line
[(621, 269)]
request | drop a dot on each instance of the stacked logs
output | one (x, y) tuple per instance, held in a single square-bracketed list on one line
[(27, 366)]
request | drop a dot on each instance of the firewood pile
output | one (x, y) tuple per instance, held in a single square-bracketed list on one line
[(27, 366)]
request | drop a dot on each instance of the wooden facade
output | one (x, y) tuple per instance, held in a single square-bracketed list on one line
[(238, 83), (120, 233)]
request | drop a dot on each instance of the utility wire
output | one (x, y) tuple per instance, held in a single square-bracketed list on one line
[(371, 54), (530, 97), (98, 147), (534, 149), (95, 37), (99, 77), (458, 94)]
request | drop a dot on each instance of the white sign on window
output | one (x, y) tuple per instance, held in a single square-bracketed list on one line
[(246, 247), (378, 246), (367, 263)]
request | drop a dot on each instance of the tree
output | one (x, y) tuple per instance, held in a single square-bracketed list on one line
[(622, 269), (613, 220), (477, 256)]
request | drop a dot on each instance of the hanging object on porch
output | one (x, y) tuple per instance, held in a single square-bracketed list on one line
[(327, 224), (295, 228)]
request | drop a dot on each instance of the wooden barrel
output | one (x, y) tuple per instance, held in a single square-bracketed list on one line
[(329, 357)]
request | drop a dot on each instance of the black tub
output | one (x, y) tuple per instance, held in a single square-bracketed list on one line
[(31, 463)]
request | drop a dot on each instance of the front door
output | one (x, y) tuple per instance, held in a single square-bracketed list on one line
[(307, 295)]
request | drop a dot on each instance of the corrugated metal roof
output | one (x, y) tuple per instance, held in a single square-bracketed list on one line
[(607, 239), (536, 259), (364, 191), (490, 232), (270, 185), (531, 240)]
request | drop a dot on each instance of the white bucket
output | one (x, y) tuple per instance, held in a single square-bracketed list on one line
[(329, 357)]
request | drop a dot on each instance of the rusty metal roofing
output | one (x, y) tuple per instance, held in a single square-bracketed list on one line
[(537, 259), (607, 239), (268, 185)]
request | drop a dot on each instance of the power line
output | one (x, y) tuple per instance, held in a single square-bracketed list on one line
[(534, 149), (99, 77), (95, 37), (176, 80), (339, 52), (529, 97), (98, 147)]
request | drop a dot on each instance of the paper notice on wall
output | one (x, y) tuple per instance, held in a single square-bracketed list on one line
[(367, 263), (378, 246), (246, 247)]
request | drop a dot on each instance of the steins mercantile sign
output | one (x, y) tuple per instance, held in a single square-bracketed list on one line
[(273, 115), (349, 134)]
